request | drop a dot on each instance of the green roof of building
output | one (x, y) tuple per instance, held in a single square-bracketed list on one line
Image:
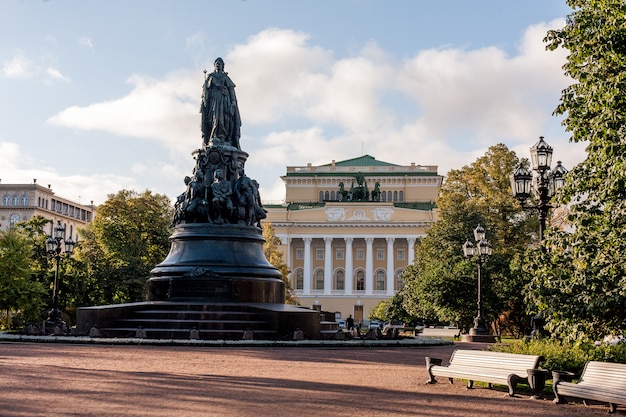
[(361, 161)]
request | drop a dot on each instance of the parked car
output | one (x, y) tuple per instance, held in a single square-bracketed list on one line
[(375, 324)]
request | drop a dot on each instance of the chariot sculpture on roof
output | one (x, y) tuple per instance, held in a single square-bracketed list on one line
[(360, 191)]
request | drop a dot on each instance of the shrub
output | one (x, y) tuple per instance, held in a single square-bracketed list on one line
[(565, 356)]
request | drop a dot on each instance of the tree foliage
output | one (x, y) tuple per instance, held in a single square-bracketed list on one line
[(441, 284), (19, 291), (275, 257), (127, 238), (579, 279)]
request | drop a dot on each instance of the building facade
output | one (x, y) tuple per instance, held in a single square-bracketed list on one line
[(348, 229), (21, 202)]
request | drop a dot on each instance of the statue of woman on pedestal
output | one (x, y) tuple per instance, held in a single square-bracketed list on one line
[(221, 123)]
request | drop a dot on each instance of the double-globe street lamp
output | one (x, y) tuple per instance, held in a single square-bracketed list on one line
[(57, 245), (546, 183), (481, 249)]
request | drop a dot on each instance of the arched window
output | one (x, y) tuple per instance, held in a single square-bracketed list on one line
[(16, 200), (319, 279), (299, 279), (326, 195), (7, 200), (13, 220), (340, 280), (380, 280), (332, 195), (389, 196), (24, 200), (401, 196), (399, 279), (321, 196), (383, 196), (395, 196), (360, 281)]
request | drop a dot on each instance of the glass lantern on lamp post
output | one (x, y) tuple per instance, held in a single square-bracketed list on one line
[(57, 245), (544, 186), (481, 250)]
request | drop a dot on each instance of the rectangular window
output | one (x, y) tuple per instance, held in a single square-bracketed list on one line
[(299, 253), (401, 254), (319, 253), (339, 254), (360, 254), (380, 254)]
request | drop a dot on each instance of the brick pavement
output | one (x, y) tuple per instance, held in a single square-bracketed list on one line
[(55, 379)]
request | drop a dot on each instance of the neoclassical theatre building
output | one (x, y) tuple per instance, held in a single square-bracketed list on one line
[(348, 229)]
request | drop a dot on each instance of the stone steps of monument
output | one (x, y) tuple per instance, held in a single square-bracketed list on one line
[(189, 324), (198, 314), (175, 321), (167, 333)]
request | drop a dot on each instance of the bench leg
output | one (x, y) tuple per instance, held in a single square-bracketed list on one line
[(470, 384), (612, 408), (512, 382), (430, 362), (558, 399)]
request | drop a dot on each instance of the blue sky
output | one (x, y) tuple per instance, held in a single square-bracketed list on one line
[(99, 96)]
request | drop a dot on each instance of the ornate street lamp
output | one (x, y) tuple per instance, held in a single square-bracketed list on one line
[(546, 183), (55, 250), (481, 249)]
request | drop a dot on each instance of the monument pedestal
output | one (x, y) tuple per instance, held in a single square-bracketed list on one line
[(216, 263), (216, 283)]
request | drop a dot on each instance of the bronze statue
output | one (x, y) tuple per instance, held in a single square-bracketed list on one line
[(221, 123), (222, 193)]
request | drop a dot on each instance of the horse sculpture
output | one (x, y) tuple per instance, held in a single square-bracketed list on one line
[(342, 192), (376, 192)]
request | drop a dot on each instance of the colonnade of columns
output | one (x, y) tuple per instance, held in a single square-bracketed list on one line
[(348, 262)]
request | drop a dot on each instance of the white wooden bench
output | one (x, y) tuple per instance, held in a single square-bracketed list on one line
[(476, 365), (600, 381)]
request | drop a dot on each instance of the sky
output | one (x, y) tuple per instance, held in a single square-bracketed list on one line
[(101, 96)]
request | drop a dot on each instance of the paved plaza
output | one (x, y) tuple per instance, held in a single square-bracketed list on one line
[(59, 379)]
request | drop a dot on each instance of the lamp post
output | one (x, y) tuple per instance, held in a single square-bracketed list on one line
[(546, 183), (481, 250), (55, 251)]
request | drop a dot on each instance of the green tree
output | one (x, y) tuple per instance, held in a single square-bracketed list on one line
[(441, 284), (41, 266), (19, 292), (391, 310), (127, 238), (579, 278), (275, 257)]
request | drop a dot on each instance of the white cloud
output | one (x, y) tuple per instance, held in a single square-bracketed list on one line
[(299, 104), (17, 67), (55, 74), (163, 110), (195, 41), (17, 167), (85, 41)]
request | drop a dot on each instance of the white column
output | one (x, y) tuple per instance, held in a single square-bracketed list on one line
[(328, 265), (390, 266), (349, 273), (411, 254), (369, 266), (287, 241), (307, 266)]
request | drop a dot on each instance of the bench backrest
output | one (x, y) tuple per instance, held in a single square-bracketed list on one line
[(509, 362), (605, 374)]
